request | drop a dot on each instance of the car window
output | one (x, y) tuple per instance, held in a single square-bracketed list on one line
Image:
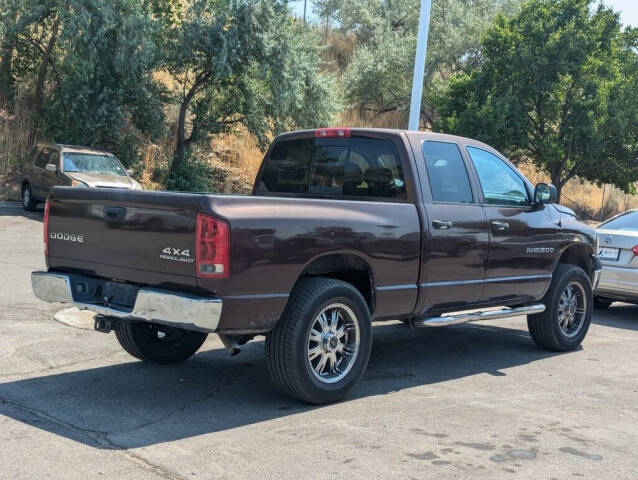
[(54, 158), (42, 158), (627, 221), (358, 167), (500, 184), (92, 163), (449, 181)]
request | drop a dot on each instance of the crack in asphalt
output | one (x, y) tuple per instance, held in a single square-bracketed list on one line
[(98, 438)]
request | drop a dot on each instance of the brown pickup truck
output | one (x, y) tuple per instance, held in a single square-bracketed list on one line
[(344, 227)]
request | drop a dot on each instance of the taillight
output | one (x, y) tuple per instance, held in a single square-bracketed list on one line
[(635, 250), (46, 228), (212, 256), (332, 133)]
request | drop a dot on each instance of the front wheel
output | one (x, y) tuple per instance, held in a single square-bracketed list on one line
[(566, 319), (158, 343), (28, 202), (320, 348)]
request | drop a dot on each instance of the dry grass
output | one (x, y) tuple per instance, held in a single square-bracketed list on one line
[(587, 199), (18, 134)]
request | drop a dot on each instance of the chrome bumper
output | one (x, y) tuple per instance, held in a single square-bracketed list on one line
[(151, 305)]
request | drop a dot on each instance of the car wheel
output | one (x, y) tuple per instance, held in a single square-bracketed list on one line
[(602, 303), (320, 348), (158, 343), (28, 202), (566, 319)]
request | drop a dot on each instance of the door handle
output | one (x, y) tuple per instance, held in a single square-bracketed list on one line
[(441, 225), (114, 213), (500, 226)]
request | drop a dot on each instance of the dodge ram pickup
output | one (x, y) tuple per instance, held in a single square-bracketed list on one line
[(344, 227)]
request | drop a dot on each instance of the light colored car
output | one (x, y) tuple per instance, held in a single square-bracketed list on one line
[(618, 252), (66, 165)]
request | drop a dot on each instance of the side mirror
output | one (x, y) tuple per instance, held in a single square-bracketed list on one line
[(545, 193), (49, 167), (129, 172)]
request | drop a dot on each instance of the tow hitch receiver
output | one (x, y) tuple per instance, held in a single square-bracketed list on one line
[(104, 324)]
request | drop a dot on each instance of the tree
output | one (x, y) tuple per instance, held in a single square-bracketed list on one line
[(379, 78), (556, 86), (245, 62)]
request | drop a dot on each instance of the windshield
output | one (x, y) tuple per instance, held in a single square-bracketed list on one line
[(92, 163), (626, 221)]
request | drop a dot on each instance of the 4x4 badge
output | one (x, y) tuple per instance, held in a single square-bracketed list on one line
[(177, 254)]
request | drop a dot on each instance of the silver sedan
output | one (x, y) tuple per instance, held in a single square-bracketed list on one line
[(618, 251)]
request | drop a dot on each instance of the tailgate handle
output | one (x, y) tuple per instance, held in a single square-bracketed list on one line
[(114, 213)]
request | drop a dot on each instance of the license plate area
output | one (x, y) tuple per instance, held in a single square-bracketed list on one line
[(119, 295), (609, 254)]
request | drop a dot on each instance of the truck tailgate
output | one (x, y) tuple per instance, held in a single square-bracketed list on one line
[(141, 236)]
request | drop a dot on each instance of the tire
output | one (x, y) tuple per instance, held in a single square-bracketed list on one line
[(546, 328), (28, 202), (602, 303), (290, 346), (157, 343)]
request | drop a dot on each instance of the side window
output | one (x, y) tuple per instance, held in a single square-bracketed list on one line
[(500, 184), (54, 158), (356, 168), (449, 181), (41, 160)]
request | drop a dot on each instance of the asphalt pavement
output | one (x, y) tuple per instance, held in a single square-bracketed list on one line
[(473, 401)]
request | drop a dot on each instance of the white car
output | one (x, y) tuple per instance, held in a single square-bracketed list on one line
[(618, 252)]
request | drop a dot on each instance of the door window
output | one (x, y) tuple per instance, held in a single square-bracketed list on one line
[(449, 181), (500, 184)]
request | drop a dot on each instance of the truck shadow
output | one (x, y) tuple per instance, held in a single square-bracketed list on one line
[(619, 315), (135, 404), (14, 209)]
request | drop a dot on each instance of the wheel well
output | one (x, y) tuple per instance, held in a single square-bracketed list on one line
[(24, 184), (348, 268), (578, 255)]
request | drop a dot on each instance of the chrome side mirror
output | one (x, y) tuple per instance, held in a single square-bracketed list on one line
[(545, 193), (49, 167), (129, 172)]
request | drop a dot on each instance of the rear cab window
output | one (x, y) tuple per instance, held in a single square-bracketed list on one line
[(364, 168)]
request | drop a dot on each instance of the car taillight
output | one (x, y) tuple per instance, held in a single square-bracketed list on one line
[(212, 251), (46, 228), (635, 250), (332, 133)]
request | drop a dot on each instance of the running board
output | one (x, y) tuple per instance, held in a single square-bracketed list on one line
[(455, 319)]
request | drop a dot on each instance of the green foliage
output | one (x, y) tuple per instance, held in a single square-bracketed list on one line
[(557, 85), (194, 174), (246, 62), (379, 78)]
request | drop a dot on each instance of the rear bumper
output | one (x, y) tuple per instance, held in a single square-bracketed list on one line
[(618, 282), (175, 309)]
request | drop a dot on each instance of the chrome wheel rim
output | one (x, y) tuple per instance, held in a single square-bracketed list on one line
[(332, 346), (26, 197), (572, 308)]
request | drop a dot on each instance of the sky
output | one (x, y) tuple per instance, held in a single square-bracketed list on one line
[(628, 10)]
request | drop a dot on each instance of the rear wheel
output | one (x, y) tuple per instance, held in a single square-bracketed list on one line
[(157, 343), (320, 348), (28, 202), (601, 303), (566, 319)]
